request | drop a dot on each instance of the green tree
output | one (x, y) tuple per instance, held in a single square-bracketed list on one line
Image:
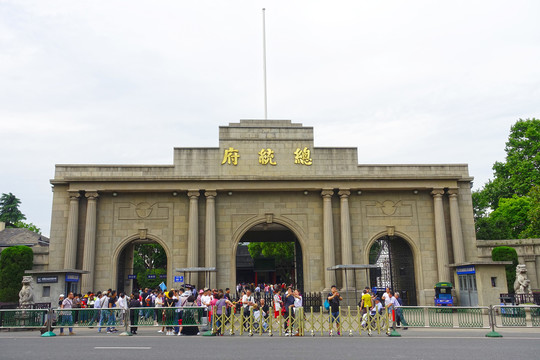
[(149, 259), (508, 221), (144, 282), (29, 226), (14, 261), (278, 250), (521, 170), (9, 210), (533, 216), (512, 188), (507, 253)]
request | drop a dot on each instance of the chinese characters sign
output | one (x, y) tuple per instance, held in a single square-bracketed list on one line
[(303, 157), (267, 156), (230, 156)]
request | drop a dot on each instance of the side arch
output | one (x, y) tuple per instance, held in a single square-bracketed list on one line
[(124, 242), (418, 277), (291, 225)]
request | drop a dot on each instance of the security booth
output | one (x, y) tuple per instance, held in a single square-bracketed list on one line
[(480, 282), (50, 284), (189, 271)]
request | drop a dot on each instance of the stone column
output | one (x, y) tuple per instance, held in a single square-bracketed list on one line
[(440, 236), (455, 223), (87, 283), (346, 240), (193, 234), (328, 239), (70, 255), (210, 254), (530, 262)]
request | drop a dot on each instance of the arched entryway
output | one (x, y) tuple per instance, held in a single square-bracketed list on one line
[(269, 253), (140, 263), (396, 260)]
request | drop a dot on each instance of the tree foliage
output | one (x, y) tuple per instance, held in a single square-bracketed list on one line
[(507, 205), (278, 250), (144, 282), (149, 259), (507, 253), (9, 210), (29, 226), (14, 261)]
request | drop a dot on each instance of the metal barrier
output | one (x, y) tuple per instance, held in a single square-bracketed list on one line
[(170, 316), (23, 318), (516, 316), (299, 323), (445, 317), (296, 323)]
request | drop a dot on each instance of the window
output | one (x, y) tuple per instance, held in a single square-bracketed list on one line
[(46, 291)]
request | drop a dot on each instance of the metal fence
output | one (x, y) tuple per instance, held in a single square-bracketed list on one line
[(516, 299), (301, 322)]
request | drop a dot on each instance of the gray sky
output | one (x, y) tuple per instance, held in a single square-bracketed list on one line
[(123, 82)]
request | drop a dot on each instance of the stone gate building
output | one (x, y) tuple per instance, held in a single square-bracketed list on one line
[(267, 177)]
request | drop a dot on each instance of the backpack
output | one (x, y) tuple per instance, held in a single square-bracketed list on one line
[(326, 305)]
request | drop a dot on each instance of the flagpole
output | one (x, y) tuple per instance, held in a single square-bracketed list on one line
[(264, 65)]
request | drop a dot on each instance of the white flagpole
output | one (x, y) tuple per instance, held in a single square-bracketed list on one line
[(264, 65)]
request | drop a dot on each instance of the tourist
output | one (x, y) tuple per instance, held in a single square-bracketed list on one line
[(288, 304), (399, 311), (133, 303), (277, 302), (365, 302), (67, 304), (334, 298)]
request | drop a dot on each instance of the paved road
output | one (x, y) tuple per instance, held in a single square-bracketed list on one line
[(414, 344)]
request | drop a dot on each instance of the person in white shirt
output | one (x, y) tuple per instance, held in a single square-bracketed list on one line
[(247, 303), (206, 298)]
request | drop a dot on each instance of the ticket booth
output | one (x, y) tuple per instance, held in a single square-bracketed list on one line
[(49, 284), (480, 283)]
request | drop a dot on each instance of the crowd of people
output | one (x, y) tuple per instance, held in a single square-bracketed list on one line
[(285, 301)]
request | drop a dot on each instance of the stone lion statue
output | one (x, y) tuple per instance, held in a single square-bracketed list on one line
[(26, 295), (522, 285)]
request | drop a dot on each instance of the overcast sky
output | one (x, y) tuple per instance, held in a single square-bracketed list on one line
[(123, 82)]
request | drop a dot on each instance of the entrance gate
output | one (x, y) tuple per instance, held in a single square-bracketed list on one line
[(396, 262)]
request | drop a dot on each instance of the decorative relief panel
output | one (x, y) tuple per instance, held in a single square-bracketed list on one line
[(143, 210), (390, 208)]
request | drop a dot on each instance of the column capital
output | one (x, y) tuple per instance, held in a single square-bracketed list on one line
[(453, 192), (437, 192), (74, 195), (91, 195), (344, 193), (210, 193), (327, 193), (193, 194)]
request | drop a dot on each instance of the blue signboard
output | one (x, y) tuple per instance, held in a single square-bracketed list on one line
[(72, 277), (179, 279), (151, 276), (469, 269), (163, 276), (132, 277)]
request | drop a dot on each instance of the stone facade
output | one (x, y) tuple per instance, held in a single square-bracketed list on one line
[(199, 208)]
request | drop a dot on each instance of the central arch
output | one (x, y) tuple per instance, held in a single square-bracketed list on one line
[(259, 224), (120, 257)]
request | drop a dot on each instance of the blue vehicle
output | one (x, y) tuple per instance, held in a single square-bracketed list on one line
[(443, 294)]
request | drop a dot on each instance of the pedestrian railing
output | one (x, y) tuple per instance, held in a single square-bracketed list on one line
[(445, 316), (297, 322), (169, 316), (516, 316), (23, 318)]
